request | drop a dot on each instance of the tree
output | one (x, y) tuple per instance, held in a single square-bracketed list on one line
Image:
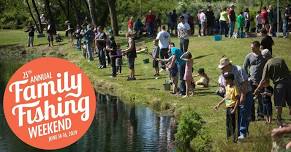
[(113, 16), (91, 6), (38, 17), (31, 14), (48, 10)]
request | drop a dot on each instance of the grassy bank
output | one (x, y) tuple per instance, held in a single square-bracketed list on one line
[(148, 90)]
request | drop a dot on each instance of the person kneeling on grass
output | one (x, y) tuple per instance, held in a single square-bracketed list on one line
[(204, 79), (231, 101), (131, 55)]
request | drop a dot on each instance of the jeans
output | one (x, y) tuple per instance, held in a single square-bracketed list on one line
[(182, 85), (30, 41), (102, 56), (223, 28), (184, 43), (230, 123), (231, 28), (150, 29), (78, 43), (89, 51), (240, 32), (285, 29), (113, 65), (244, 114)]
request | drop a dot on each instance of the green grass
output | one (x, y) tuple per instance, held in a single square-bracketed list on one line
[(147, 90)]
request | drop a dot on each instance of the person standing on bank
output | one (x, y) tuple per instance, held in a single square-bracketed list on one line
[(232, 20), (253, 65), (277, 70), (131, 55), (246, 95), (30, 31), (164, 39), (183, 34)]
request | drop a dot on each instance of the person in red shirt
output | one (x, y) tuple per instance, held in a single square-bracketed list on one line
[(130, 24), (264, 15), (149, 22)]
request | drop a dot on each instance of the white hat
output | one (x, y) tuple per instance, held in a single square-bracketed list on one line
[(223, 62)]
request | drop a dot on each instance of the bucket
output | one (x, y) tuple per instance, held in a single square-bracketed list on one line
[(146, 61), (167, 86), (217, 37)]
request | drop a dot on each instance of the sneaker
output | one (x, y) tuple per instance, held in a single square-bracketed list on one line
[(241, 137)]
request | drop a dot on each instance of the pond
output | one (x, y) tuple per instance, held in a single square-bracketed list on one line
[(117, 127)]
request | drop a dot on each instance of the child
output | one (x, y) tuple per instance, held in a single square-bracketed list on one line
[(187, 56), (231, 101), (112, 47), (267, 102), (258, 22), (155, 56), (131, 55), (204, 80), (240, 25), (118, 59), (30, 31)]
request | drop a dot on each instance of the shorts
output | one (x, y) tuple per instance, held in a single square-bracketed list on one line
[(155, 64), (131, 63), (282, 93), (50, 37), (174, 71), (164, 53)]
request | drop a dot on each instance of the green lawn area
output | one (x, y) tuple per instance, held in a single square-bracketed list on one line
[(148, 90)]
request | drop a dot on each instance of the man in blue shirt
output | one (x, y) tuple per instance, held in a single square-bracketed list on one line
[(176, 54)]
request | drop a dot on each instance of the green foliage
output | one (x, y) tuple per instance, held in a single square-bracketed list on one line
[(202, 142), (190, 123)]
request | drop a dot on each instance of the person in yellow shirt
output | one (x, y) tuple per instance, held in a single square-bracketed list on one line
[(231, 101)]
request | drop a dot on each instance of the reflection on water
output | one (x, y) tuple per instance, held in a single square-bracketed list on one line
[(117, 127)]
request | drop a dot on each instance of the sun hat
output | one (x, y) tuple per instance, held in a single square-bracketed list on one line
[(223, 62)]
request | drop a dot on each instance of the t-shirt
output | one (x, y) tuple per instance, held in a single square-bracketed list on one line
[(130, 24), (240, 76), (202, 18), (163, 38), (132, 53), (150, 18), (240, 21), (254, 65), (267, 99), (183, 29), (264, 15), (231, 94), (223, 16), (102, 36), (186, 17), (113, 46), (258, 19), (276, 69), (155, 52), (267, 43), (174, 17), (231, 14), (178, 53), (246, 16), (210, 17)]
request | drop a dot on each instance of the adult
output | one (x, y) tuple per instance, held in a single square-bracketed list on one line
[(176, 59), (203, 22), (138, 27), (150, 23), (267, 41), (101, 45), (232, 20), (278, 132), (183, 34), (185, 15), (191, 23), (51, 31), (247, 20), (130, 24), (258, 22), (246, 96), (253, 65), (210, 20), (131, 55), (174, 21), (169, 21), (223, 21), (277, 70), (264, 15), (89, 38), (271, 19), (287, 18), (164, 39)]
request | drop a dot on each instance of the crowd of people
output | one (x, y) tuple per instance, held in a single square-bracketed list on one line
[(240, 86)]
